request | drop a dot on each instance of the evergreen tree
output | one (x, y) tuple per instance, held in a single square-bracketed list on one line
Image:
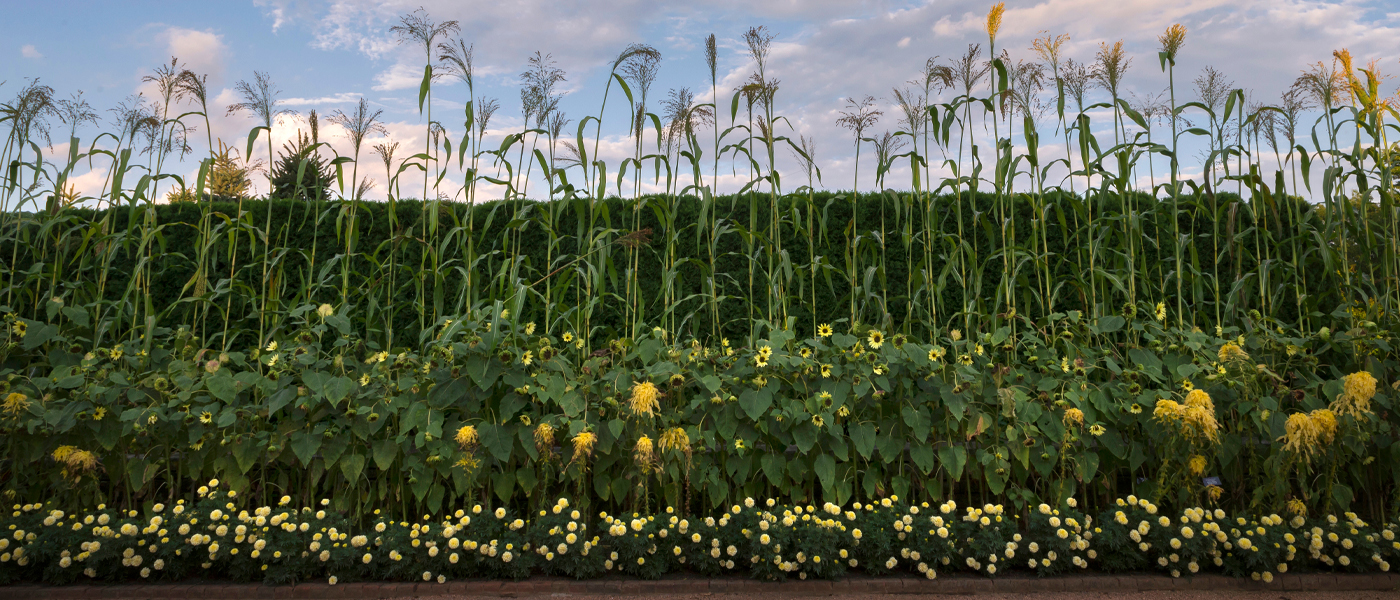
[(317, 178)]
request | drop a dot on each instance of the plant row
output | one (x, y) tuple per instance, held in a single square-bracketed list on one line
[(219, 536), (490, 407)]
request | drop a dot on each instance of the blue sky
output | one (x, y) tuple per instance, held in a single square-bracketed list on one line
[(326, 55)]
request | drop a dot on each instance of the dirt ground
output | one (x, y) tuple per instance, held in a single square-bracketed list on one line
[(1155, 595)]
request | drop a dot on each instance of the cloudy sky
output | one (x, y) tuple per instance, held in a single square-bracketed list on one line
[(325, 55)]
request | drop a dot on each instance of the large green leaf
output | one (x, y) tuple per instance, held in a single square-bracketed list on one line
[(385, 451), (352, 465), (338, 388), (923, 457), (891, 445), (825, 466), (503, 484), (805, 436), (755, 402), (954, 459), (222, 386), (1088, 465), (498, 440), (773, 464), (918, 421), (304, 445), (333, 448), (447, 394), (863, 436), (246, 453)]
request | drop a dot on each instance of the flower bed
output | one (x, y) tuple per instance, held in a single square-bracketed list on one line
[(216, 536)]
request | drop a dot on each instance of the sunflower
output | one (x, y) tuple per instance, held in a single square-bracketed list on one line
[(824, 330), (875, 338)]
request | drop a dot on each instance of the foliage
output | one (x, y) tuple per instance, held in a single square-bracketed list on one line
[(300, 227), (219, 534), (493, 407)]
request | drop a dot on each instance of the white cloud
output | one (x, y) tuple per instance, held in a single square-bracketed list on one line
[(29, 51), (399, 77), (341, 98), (203, 52)]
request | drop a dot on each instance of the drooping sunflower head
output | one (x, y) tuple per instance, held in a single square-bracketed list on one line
[(1297, 507), (1198, 423), (1326, 422), (644, 452), (15, 403), (466, 436), (1232, 352), (1167, 411), (1301, 435), (544, 436), (1197, 465), (583, 444), (1073, 417), (675, 438), (644, 399), (1199, 398), (1357, 391)]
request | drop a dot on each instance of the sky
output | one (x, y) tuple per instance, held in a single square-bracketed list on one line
[(326, 55)]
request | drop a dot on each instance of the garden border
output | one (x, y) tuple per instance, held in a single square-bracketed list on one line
[(690, 584)]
